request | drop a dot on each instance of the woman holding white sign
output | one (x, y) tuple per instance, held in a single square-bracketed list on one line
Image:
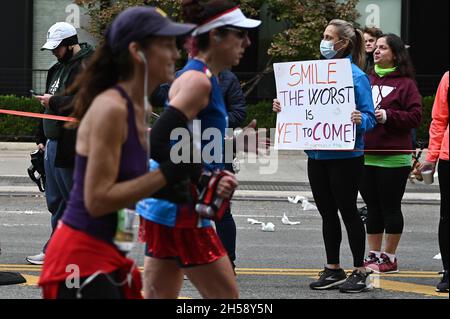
[(334, 175), (388, 150)]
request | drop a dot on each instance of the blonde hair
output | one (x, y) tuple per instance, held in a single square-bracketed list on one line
[(347, 31)]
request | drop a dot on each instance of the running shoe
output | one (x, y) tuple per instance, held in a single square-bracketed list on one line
[(329, 279), (443, 285), (371, 259), (384, 265), (357, 282), (36, 259)]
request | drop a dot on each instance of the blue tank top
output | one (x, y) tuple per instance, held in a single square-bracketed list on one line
[(133, 163), (215, 116)]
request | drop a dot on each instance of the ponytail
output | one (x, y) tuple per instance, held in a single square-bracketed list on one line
[(359, 52), (356, 41), (100, 74)]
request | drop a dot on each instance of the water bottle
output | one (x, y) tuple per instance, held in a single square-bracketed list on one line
[(124, 239), (204, 210), (209, 211)]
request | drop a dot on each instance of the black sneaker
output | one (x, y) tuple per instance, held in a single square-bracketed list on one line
[(443, 285), (356, 282), (329, 279)]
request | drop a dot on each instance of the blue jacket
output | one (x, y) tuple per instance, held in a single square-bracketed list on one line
[(364, 104)]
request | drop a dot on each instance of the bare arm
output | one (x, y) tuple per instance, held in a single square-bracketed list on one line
[(103, 195), (190, 93)]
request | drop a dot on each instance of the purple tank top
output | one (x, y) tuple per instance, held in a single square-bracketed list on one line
[(133, 163)]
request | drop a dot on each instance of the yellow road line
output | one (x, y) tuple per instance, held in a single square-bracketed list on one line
[(245, 269), (31, 280), (256, 271), (384, 284), (20, 265), (410, 288), (268, 273)]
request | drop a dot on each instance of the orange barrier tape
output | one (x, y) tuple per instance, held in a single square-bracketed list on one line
[(39, 115), (72, 119)]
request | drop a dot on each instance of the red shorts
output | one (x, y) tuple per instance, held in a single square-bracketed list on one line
[(189, 246)]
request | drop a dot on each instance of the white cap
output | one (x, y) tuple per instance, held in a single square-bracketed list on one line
[(58, 32), (234, 17)]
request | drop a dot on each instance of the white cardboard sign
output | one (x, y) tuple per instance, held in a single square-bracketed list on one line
[(317, 99)]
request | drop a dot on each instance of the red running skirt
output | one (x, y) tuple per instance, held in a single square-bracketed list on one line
[(189, 246), (70, 247)]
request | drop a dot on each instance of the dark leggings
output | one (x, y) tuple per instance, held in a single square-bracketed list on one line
[(383, 189), (334, 184), (99, 288), (443, 223), (226, 230)]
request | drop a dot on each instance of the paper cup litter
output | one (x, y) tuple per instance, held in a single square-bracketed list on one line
[(428, 177)]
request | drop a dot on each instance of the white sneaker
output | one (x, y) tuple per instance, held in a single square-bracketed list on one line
[(36, 259)]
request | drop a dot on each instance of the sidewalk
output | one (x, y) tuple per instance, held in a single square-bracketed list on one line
[(272, 177)]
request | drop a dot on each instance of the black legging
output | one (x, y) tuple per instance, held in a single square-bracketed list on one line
[(334, 184), (226, 230), (100, 288), (443, 223), (383, 190)]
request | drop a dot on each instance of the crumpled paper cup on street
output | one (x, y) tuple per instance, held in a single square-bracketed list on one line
[(296, 199), (307, 205), (253, 221), (268, 227), (285, 220)]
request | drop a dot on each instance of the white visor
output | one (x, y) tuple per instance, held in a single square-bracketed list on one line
[(234, 17)]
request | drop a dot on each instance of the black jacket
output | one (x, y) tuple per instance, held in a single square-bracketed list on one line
[(232, 94), (61, 105)]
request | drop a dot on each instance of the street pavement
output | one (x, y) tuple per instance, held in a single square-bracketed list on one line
[(271, 265)]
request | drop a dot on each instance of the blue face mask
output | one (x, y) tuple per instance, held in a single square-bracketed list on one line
[(327, 49)]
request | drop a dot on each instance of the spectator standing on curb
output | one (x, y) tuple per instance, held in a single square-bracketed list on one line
[(371, 35), (57, 141), (398, 109), (334, 176)]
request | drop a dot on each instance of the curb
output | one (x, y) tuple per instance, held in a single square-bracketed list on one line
[(19, 146), (247, 195)]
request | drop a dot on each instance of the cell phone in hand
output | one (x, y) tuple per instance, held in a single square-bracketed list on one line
[(34, 93)]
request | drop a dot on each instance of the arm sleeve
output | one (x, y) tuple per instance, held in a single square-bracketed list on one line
[(364, 104), (235, 102), (39, 136), (411, 115), (61, 105)]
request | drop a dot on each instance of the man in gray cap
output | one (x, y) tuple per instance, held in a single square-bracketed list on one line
[(51, 136)]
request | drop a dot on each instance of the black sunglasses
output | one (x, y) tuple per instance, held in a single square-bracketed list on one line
[(240, 33)]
